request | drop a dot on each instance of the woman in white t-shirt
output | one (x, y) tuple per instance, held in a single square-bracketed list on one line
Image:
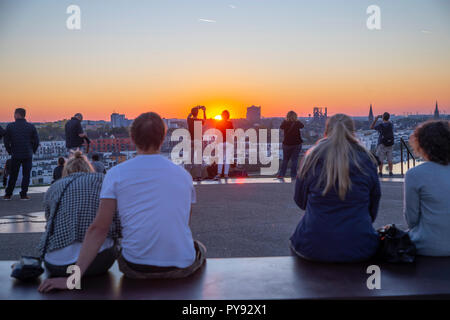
[(153, 199)]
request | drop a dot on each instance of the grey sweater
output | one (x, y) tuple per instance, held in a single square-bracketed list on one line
[(427, 208)]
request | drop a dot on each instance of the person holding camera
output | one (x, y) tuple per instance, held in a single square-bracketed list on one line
[(385, 141), (196, 169)]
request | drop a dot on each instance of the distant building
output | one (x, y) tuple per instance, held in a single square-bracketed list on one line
[(119, 121), (254, 114), (436, 112), (370, 114), (112, 144)]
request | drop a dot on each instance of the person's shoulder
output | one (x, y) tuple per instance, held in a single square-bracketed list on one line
[(177, 170), (418, 171)]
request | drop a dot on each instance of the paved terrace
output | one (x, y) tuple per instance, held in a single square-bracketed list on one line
[(251, 217)]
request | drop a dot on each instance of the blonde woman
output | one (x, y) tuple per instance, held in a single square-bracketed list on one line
[(338, 188), (292, 144), (71, 205)]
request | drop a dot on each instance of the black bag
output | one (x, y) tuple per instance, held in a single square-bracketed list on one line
[(387, 134), (30, 268), (395, 246)]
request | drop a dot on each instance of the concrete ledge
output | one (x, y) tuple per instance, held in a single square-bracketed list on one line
[(258, 278)]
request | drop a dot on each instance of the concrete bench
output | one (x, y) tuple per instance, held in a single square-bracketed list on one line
[(257, 278)]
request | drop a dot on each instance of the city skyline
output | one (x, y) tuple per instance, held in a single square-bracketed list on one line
[(170, 56)]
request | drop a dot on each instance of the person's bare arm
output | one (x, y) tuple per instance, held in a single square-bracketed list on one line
[(95, 237), (372, 126)]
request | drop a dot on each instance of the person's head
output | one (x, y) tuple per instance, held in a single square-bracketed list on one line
[(386, 116), (77, 163), (95, 157), (148, 132), (194, 111), (225, 115), (337, 148), (20, 113), (79, 116), (431, 140), (61, 161), (291, 116)]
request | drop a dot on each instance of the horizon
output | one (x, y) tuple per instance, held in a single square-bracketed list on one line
[(168, 56)]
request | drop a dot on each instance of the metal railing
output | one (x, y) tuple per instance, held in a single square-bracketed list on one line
[(409, 155)]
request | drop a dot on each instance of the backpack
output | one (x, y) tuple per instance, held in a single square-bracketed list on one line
[(387, 135)]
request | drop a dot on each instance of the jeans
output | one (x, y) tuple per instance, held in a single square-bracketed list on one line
[(26, 164), (290, 153)]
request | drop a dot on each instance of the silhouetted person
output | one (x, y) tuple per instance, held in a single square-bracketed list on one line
[(57, 172), (223, 125), (292, 143), (196, 168), (74, 133), (385, 141), (98, 166), (2, 132), (21, 142)]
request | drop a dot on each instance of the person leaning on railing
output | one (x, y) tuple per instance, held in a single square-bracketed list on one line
[(427, 190)]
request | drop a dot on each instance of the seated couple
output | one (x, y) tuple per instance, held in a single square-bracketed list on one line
[(145, 202), (339, 190)]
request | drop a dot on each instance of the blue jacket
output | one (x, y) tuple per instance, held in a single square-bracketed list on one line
[(333, 230), (21, 139)]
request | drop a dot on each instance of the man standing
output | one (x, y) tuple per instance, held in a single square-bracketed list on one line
[(191, 119), (385, 141), (74, 133), (21, 142)]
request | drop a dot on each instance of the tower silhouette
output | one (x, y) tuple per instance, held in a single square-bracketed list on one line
[(436, 111), (370, 114)]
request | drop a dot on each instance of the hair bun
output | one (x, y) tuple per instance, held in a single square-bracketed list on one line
[(78, 154)]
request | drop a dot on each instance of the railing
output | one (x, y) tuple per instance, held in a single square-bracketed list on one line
[(409, 154)]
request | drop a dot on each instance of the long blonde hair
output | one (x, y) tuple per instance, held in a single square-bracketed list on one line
[(77, 163), (336, 148)]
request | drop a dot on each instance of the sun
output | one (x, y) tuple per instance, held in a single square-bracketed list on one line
[(218, 117)]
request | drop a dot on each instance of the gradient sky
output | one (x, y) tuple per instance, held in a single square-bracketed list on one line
[(135, 56)]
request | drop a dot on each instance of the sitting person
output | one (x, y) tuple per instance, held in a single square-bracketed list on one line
[(98, 165), (71, 204), (57, 172), (427, 190), (154, 210), (338, 187)]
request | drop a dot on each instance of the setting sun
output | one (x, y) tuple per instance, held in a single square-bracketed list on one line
[(218, 117)]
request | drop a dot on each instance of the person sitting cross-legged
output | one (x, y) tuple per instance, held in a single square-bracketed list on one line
[(339, 190), (152, 197)]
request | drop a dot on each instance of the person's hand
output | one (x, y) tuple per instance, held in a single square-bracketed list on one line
[(53, 284)]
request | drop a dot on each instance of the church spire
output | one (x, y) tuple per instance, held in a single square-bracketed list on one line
[(370, 114), (436, 111)]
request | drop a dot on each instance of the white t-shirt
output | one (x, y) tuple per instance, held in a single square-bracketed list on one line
[(154, 199)]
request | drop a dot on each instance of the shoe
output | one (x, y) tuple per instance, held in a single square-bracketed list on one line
[(7, 198), (391, 174), (226, 176), (280, 177), (380, 174), (25, 198), (217, 177)]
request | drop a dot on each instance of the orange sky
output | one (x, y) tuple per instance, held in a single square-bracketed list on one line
[(130, 60)]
